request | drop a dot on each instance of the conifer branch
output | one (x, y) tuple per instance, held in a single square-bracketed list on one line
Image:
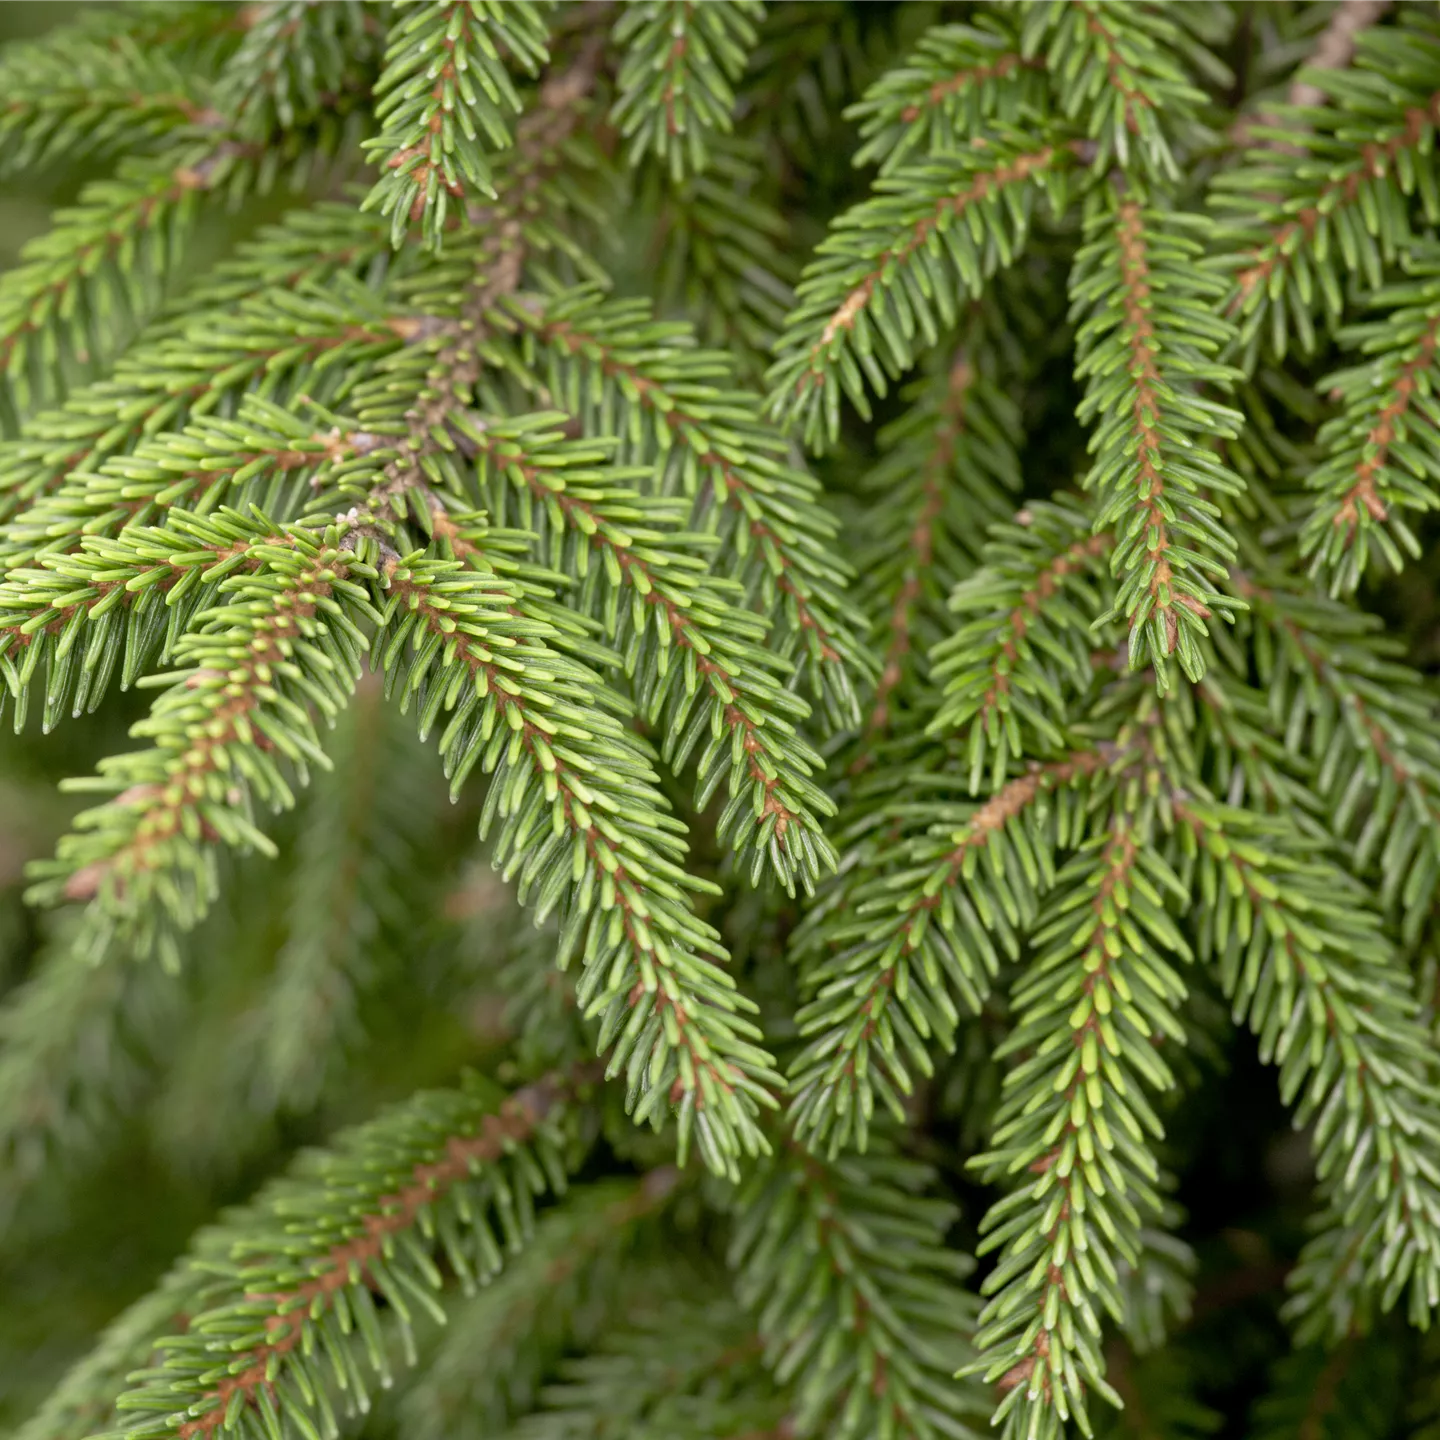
[(1005, 673), (574, 1280), (581, 822), (698, 641), (897, 266), (949, 472), (1369, 727), (225, 734), (275, 344), (445, 84), (1074, 1117), (105, 261), (958, 81), (709, 1381), (1336, 47), (1146, 338), (719, 254), (72, 1038), (1309, 969), (1115, 69), (99, 90), (854, 1245), (299, 254), (83, 1403), (907, 933), (1382, 457), (1293, 229), (292, 1314), (297, 63), (709, 442), (130, 599), (680, 60), (361, 829), (561, 526)]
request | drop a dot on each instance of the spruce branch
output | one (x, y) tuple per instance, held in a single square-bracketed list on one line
[(260, 668), (299, 254), (1335, 48), (98, 89), (1074, 1117), (579, 819), (719, 253), (1005, 673), (74, 1038), (949, 471), (1157, 1289), (1117, 73), (854, 1246), (680, 60), (586, 1264), (1294, 228), (895, 269), (1147, 339), (68, 621), (1309, 968), (1381, 455), (361, 829), (296, 64), (104, 262), (682, 635), (444, 86), (1367, 723), (274, 346), (909, 929), (83, 1403), (621, 373), (959, 81), (290, 1313), (686, 1366)]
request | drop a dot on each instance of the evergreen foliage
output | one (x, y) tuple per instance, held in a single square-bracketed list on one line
[(692, 691)]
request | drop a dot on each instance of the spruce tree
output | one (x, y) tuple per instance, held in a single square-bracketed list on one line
[(694, 694)]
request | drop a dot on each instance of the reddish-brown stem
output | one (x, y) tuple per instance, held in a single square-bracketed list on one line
[(428, 151), (952, 206), (1017, 623), (515, 1122), (674, 59), (962, 80), (1321, 668), (457, 367), (310, 346), (335, 447), (1005, 805), (1146, 420), (1116, 69), (949, 427), (165, 808), (86, 256), (1286, 240), (1382, 435)]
